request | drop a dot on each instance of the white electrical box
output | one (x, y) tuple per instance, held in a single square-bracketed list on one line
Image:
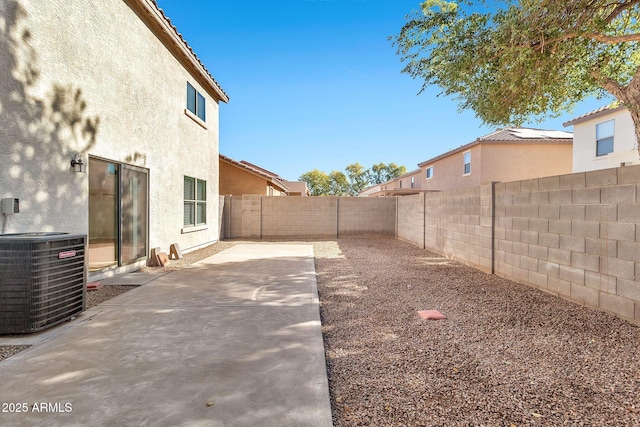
[(10, 206)]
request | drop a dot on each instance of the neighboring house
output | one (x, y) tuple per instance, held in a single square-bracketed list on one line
[(298, 188), (113, 85), (505, 155), (409, 183), (237, 178), (373, 191), (604, 138)]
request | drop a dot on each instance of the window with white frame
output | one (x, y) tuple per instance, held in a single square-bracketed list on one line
[(430, 172), (196, 102), (195, 201), (413, 182), (604, 138), (467, 163)]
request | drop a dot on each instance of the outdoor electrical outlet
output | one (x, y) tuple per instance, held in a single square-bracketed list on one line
[(10, 206)]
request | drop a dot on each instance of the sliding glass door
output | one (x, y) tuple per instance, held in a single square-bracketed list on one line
[(118, 214), (134, 214)]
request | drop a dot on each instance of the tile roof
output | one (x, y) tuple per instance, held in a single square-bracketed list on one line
[(515, 134), (161, 18), (256, 170), (604, 110), (263, 170)]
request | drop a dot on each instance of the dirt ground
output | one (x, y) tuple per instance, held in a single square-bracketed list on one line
[(506, 355)]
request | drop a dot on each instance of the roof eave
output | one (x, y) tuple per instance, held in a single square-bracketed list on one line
[(591, 116), (496, 142), (160, 25), (256, 172)]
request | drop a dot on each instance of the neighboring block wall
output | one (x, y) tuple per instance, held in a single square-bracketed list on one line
[(454, 225), (366, 215), (298, 216), (575, 235), (255, 216), (411, 214)]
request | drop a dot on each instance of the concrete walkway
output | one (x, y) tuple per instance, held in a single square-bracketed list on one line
[(235, 340)]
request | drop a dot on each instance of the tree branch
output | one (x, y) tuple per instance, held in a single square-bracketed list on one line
[(634, 84), (602, 38), (610, 85), (619, 9)]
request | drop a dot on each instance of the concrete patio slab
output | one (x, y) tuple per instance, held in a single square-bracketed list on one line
[(232, 341), (133, 278)]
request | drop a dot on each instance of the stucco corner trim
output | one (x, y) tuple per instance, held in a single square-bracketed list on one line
[(194, 229), (195, 118)]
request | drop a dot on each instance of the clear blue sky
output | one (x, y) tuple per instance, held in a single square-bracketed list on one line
[(316, 84)]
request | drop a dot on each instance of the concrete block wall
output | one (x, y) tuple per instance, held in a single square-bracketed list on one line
[(255, 216), (458, 225), (411, 219), (241, 217), (577, 236), (299, 216), (366, 215)]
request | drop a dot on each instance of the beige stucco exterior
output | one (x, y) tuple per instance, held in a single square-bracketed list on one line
[(237, 178), (298, 188), (514, 162), (107, 80), (448, 171), (236, 181), (625, 149), (497, 161)]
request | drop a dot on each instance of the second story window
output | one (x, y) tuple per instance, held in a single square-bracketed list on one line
[(430, 172), (196, 103), (604, 138), (413, 182), (467, 163)]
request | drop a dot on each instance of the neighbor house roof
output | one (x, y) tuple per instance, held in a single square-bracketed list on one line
[(602, 111), (378, 190), (161, 26), (510, 135), (256, 170)]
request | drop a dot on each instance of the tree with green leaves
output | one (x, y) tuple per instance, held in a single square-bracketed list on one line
[(356, 179), (377, 174), (393, 171), (338, 184), (317, 181), (516, 61)]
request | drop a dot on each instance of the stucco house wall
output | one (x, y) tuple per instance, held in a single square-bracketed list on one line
[(405, 181), (514, 162), (625, 149), (237, 178), (101, 79), (505, 155), (237, 181), (448, 172)]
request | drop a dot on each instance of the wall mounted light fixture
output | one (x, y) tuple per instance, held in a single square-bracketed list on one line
[(77, 164)]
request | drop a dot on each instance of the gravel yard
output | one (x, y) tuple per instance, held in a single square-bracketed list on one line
[(506, 355)]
